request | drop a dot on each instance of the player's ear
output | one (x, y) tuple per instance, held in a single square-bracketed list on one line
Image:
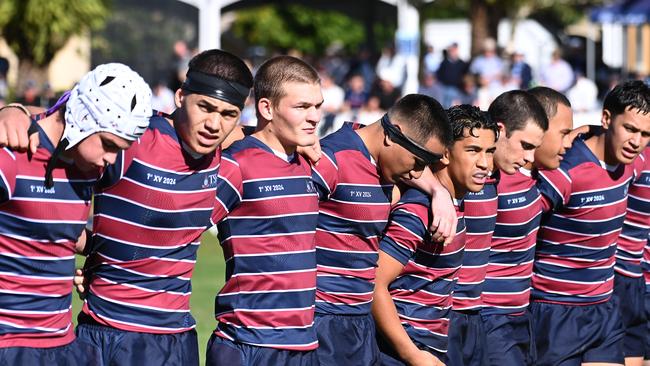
[(445, 157), (502, 129), (606, 119), (178, 97), (265, 108), (387, 140)]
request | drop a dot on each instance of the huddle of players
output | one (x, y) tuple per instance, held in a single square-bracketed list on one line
[(316, 255)]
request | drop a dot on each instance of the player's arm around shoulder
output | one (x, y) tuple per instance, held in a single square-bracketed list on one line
[(325, 174), (15, 120), (443, 225), (311, 153)]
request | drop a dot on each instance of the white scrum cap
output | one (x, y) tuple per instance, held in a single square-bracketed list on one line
[(111, 98)]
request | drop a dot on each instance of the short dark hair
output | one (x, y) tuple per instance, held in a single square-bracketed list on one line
[(515, 108), (424, 117), (632, 94), (549, 99), (274, 72), (468, 117), (223, 65)]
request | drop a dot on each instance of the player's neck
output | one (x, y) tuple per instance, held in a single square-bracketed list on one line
[(496, 168), (271, 139), (597, 144), (373, 138), (445, 180), (53, 126)]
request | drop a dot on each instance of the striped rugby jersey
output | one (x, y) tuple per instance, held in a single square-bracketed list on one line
[(39, 227), (480, 216), (574, 263), (354, 209), (645, 264), (636, 226), (151, 208), (267, 214), (422, 292), (510, 268)]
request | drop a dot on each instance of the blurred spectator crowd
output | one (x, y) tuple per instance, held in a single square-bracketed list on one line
[(359, 89)]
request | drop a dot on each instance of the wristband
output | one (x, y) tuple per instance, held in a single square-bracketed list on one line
[(19, 106)]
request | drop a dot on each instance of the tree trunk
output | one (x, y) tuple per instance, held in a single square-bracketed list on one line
[(484, 19)]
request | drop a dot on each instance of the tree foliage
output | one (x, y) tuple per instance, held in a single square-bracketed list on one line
[(306, 29), (566, 11), (36, 29), (142, 34), (486, 14)]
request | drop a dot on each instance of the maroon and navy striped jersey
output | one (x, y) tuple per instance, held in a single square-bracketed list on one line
[(480, 217), (354, 208), (266, 213), (422, 292), (574, 263), (645, 264), (151, 208), (510, 268), (39, 227), (636, 226)]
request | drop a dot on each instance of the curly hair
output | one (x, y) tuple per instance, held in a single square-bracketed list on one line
[(467, 117)]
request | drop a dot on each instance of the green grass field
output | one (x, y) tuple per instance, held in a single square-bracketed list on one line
[(208, 278)]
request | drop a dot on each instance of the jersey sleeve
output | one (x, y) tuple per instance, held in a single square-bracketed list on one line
[(555, 187), (230, 189), (8, 171), (325, 175), (406, 229)]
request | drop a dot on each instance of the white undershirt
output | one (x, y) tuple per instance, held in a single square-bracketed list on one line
[(525, 171), (283, 156), (609, 168)]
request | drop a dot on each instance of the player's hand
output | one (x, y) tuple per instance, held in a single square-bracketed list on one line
[(423, 358), (578, 130), (80, 283), (312, 153), (443, 225), (14, 126)]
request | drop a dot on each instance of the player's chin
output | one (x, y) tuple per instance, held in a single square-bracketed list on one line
[(510, 169), (624, 160), (87, 166), (395, 178), (475, 182), (306, 140), (627, 155), (548, 164), (204, 149), (474, 187)]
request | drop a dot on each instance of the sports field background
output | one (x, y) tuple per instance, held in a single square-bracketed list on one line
[(209, 276)]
